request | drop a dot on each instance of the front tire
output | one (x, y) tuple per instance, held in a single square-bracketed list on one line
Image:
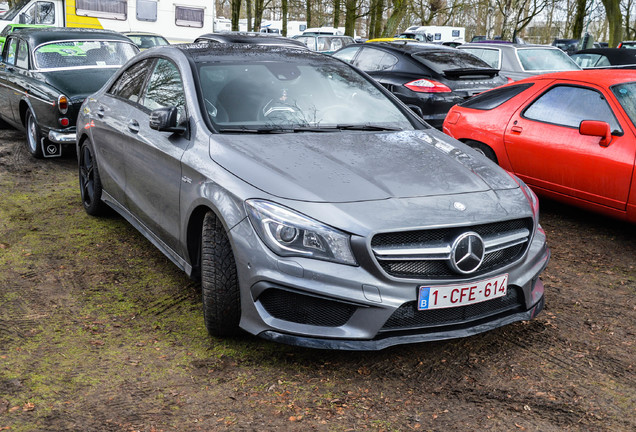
[(219, 281), (33, 136), (89, 181)]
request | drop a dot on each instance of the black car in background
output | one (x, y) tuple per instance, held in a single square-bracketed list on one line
[(429, 78), (45, 75), (605, 58), (249, 38)]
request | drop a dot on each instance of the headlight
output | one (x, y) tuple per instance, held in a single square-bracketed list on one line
[(289, 233), (530, 195)]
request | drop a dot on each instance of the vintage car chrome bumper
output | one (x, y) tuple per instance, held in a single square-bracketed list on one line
[(65, 137)]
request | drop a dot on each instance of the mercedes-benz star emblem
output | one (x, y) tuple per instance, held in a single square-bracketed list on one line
[(467, 253)]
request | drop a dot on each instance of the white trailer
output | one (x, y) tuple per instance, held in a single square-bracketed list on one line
[(177, 21), (437, 34)]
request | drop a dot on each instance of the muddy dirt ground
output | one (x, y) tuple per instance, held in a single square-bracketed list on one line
[(100, 332)]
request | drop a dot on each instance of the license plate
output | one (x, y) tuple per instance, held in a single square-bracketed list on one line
[(447, 296)]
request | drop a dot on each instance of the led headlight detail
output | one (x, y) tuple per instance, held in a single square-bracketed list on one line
[(289, 233)]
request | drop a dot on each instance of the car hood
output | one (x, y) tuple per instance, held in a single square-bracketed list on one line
[(77, 84), (357, 166)]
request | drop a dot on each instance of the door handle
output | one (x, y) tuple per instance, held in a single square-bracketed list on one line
[(516, 129), (133, 126), (100, 112)]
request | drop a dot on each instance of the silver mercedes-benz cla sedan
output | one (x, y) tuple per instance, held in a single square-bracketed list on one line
[(313, 206)]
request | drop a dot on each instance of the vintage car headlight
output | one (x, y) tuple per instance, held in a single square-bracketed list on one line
[(289, 233)]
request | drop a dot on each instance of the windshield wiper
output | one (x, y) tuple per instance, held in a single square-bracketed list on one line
[(336, 128), (367, 127)]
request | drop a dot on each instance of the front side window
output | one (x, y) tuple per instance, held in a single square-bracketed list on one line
[(372, 60), (586, 60), (569, 106), (111, 9), (10, 53), (165, 89), (347, 54), (189, 17), (626, 95), (39, 13), (130, 84), (22, 57)]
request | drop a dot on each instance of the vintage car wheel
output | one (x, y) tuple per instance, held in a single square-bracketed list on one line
[(33, 136), (219, 283), (483, 149), (90, 183)]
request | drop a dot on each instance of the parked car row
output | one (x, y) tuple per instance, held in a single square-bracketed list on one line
[(316, 208)]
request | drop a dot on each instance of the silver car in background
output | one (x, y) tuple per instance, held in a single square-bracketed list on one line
[(313, 206), (519, 61)]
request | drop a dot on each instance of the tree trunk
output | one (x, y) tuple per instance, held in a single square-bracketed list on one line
[(399, 10), (336, 13), (379, 9), (283, 7), (615, 21), (248, 10), (578, 26), (308, 13), (372, 17), (351, 14), (259, 8), (236, 14)]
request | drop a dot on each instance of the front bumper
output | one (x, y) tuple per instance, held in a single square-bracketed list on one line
[(324, 305)]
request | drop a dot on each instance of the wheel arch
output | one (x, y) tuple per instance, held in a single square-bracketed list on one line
[(480, 147), (193, 239)]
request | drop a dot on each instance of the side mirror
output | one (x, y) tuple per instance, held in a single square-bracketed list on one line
[(597, 128), (165, 120), (417, 110)]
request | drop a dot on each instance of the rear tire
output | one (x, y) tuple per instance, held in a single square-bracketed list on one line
[(483, 149), (33, 136), (89, 182), (219, 282)]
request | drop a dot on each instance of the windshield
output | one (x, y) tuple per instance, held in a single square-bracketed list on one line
[(287, 96), (541, 59), (147, 41), (76, 54), (8, 12), (626, 95)]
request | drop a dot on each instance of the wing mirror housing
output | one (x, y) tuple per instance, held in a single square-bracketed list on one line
[(597, 128), (165, 120)]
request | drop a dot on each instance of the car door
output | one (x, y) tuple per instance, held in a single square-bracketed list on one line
[(110, 129), (153, 158), (546, 150), (10, 93)]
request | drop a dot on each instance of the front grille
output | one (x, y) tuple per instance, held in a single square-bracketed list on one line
[(436, 265), (408, 317), (305, 309)]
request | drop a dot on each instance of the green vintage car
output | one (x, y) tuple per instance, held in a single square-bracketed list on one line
[(10, 28), (45, 75)]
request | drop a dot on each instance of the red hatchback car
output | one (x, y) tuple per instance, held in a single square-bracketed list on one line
[(569, 135)]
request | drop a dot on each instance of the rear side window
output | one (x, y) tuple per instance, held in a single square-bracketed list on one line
[(493, 98), (489, 55), (372, 60), (569, 106)]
